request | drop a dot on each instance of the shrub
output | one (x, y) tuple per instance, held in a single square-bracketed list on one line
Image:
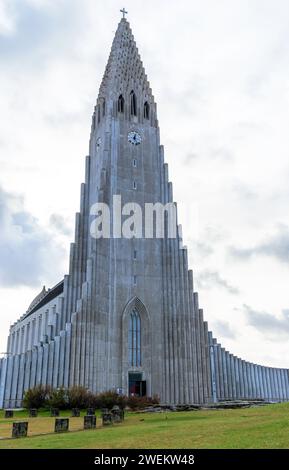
[(36, 397), (59, 399), (138, 403), (79, 397), (122, 401), (134, 402), (106, 399), (154, 400), (91, 400), (109, 399)]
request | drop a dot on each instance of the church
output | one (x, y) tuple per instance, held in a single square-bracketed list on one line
[(126, 316)]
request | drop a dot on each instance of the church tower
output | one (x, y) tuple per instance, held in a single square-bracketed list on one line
[(126, 317), (132, 326)]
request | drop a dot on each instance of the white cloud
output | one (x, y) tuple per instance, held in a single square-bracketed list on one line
[(276, 246), (212, 279), (29, 253), (224, 329), (42, 3), (61, 224), (270, 325), (7, 18)]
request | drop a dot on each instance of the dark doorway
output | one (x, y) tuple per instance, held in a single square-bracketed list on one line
[(136, 386)]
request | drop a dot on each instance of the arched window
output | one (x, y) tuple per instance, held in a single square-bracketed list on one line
[(146, 110), (120, 104), (134, 339), (133, 108)]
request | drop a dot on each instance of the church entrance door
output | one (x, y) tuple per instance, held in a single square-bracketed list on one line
[(136, 386)]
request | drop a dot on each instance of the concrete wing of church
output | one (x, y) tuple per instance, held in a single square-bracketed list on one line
[(126, 317)]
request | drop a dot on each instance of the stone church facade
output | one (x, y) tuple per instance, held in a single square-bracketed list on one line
[(126, 317)]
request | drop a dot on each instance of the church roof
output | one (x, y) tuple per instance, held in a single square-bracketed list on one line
[(124, 70), (44, 297), (37, 299)]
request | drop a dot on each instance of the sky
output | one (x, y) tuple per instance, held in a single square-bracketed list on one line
[(220, 75)]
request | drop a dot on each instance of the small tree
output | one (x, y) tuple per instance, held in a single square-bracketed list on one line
[(79, 397), (91, 400), (59, 399), (108, 399), (36, 397)]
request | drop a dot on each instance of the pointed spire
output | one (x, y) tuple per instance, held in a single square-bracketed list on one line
[(124, 71)]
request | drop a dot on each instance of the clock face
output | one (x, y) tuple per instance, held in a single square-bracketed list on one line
[(98, 144), (134, 138)]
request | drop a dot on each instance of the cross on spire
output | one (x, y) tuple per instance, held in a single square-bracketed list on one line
[(124, 12)]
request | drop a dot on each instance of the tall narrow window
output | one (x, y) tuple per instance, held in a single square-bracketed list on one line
[(103, 108), (146, 110), (134, 185), (134, 339), (133, 108), (134, 163), (120, 104), (98, 114)]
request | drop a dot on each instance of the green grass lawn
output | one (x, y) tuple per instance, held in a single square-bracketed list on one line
[(254, 428)]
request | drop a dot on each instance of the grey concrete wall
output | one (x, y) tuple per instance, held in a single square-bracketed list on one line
[(238, 379)]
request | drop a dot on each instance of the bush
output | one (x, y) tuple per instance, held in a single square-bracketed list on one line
[(138, 403), (154, 400), (36, 397), (59, 399), (91, 400), (79, 397), (134, 402), (122, 401), (107, 399)]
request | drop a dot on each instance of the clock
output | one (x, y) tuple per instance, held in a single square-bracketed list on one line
[(98, 144), (134, 138)]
